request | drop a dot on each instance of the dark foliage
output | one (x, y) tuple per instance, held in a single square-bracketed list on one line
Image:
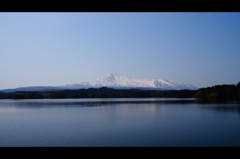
[(219, 93), (103, 92)]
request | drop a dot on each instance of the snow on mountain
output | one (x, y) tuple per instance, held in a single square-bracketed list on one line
[(117, 81)]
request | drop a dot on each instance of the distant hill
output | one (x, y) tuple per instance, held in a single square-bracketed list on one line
[(32, 88), (217, 93)]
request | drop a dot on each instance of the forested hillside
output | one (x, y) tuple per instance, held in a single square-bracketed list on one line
[(103, 92), (219, 93)]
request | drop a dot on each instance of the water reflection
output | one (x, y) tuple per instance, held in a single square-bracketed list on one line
[(226, 108), (93, 102), (150, 103), (118, 122)]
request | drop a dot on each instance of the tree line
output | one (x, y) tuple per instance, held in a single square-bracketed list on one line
[(219, 93), (103, 92), (210, 94)]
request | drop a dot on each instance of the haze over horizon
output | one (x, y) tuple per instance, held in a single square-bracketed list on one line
[(52, 49)]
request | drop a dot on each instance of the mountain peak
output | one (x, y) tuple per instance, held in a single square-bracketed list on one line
[(113, 80), (111, 74), (118, 81)]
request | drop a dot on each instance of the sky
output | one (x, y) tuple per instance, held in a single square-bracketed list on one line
[(59, 48)]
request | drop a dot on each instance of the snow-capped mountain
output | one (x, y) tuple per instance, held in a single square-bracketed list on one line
[(114, 80)]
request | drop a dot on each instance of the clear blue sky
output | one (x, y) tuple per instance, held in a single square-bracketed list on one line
[(52, 49)]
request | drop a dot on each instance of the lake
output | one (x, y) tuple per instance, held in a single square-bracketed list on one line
[(118, 122)]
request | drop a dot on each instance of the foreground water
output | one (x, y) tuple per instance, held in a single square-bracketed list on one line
[(118, 122)]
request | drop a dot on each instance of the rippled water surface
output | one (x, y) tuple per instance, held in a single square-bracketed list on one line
[(114, 122)]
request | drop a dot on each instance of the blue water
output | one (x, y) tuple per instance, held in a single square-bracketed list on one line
[(154, 122)]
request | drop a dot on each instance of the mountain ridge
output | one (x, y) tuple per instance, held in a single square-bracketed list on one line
[(113, 80)]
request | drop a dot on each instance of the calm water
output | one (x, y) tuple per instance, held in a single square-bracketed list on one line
[(118, 122)]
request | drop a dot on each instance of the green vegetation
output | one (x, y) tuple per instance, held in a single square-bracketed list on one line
[(219, 93)]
